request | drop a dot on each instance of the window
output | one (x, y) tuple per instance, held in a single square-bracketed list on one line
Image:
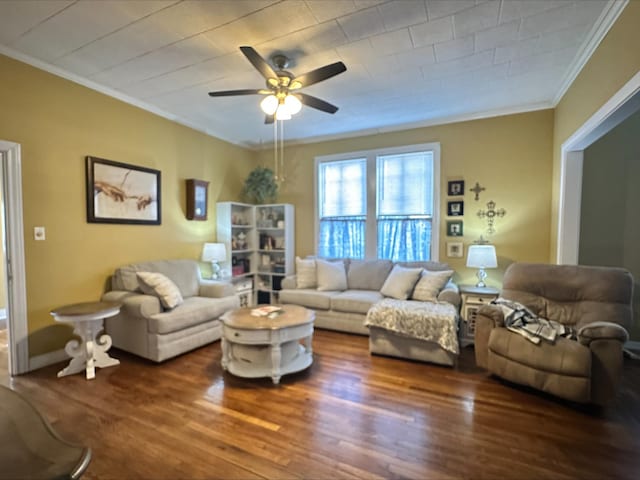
[(379, 204)]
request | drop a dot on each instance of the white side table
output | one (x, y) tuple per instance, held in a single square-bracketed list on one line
[(472, 299), (91, 351)]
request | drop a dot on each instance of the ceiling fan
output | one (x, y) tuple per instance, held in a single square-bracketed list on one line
[(283, 98)]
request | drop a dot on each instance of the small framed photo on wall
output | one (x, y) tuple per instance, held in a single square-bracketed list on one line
[(454, 228), (455, 188), (455, 249), (455, 209)]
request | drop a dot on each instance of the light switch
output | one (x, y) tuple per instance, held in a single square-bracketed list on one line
[(38, 233)]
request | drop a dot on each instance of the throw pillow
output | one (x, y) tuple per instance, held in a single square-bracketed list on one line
[(331, 275), (306, 273), (162, 287), (400, 282), (430, 285)]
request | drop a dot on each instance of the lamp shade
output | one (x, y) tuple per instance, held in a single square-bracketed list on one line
[(214, 252), (482, 256)]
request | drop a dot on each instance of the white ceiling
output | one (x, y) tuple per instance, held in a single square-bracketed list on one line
[(409, 62)]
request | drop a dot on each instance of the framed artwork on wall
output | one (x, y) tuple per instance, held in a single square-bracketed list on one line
[(122, 193), (455, 208), (197, 197), (455, 188), (454, 228), (455, 249)]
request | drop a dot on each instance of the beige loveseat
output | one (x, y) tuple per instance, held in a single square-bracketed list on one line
[(144, 327), (346, 309), (594, 301)]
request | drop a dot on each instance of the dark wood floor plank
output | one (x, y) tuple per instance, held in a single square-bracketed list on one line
[(350, 416)]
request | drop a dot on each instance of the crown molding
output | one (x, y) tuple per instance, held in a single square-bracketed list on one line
[(597, 33), (110, 92), (480, 115)]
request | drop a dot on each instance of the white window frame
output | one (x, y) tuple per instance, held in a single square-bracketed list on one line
[(371, 248)]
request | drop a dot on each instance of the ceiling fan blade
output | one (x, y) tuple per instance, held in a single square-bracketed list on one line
[(230, 93), (316, 103), (317, 75), (259, 63), (268, 119)]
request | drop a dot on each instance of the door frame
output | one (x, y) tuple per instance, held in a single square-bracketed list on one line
[(15, 265), (618, 108)]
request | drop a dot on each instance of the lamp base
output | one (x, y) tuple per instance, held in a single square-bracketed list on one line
[(215, 271), (481, 276)]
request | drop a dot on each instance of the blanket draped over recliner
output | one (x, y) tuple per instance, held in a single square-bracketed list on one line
[(521, 320)]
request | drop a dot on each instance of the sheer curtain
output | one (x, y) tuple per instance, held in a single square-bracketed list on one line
[(343, 208), (405, 206)]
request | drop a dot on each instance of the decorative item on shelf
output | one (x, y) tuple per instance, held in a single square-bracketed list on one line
[(214, 253), (455, 188), (455, 208), (260, 186), (481, 257), (241, 241), (455, 249), (197, 199), (490, 214), (477, 189), (454, 228)]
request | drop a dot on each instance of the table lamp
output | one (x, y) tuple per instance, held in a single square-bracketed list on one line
[(481, 257), (214, 253)]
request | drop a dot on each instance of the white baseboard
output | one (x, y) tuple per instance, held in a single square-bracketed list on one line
[(47, 359)]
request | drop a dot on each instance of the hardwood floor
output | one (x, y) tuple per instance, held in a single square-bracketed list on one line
[(351, 415)]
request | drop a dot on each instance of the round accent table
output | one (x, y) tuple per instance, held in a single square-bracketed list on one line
[(267, 346), (91, 351)]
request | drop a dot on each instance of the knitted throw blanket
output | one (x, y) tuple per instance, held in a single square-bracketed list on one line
[(519, 319), (434, 322)]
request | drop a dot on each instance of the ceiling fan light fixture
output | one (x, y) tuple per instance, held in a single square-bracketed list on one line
[(269, 104), (293, 104), (282, 113)]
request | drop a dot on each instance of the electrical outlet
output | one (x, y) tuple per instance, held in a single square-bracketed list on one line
[(38, 233)]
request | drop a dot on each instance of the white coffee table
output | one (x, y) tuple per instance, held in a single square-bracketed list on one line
[(255, 347), (91, 351)]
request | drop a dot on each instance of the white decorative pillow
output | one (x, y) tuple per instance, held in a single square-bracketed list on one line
[(430, 285), (162, 287), (400, 282), (331, 275), (306, 273)]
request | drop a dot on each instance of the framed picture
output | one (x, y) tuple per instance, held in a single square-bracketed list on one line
[(454, 228), (122, 193), (197, 199), (455, 188), (455, 209), (455, 249)]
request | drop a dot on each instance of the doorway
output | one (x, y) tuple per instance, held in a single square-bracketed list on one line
[(13, 259), (623, 105)]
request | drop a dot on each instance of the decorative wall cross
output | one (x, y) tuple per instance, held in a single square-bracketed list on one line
[(477, 189), (490, 214)]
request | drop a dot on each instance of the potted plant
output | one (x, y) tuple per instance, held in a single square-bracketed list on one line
[(260, 186)]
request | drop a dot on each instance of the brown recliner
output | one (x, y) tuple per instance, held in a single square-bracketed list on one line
[(596, 301)]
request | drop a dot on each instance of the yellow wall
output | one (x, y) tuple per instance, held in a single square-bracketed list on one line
[(509, 155), (58, 123), (612, 65)]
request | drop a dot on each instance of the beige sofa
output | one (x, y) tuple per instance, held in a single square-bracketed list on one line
[(595, 301), (145, 328), (347, 310)]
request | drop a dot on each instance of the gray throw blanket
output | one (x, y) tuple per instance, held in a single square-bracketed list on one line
[(519, 319)]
